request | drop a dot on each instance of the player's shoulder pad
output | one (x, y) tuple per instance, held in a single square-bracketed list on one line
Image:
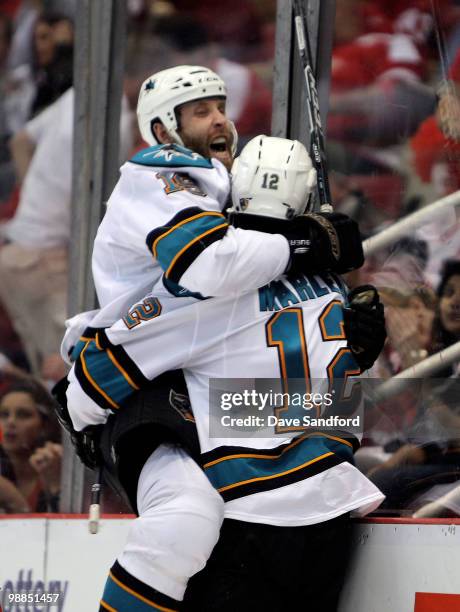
[(170, 156)]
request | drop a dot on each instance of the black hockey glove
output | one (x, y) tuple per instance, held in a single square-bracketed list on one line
[(313, 242), (85, 442), (364, 323), (323, 242), (351, 247)]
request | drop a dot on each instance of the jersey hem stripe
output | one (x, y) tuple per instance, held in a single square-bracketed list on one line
[(280, 474), (281, 480)]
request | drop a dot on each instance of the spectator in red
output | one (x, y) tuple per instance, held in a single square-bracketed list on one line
[(436, 144), (378, 99), (10, 7), (435, 152), (377, 90)]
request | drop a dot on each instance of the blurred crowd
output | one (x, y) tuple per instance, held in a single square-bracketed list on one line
[(393, 147), (393, 144)]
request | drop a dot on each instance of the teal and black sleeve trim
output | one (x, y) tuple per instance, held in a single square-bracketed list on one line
[(106, 373), (123, 359), (123, 591), (239, 471), (88, 334), (177, 244)]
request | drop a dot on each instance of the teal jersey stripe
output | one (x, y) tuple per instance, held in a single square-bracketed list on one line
[(77, 349), (119, 599), (240, 469), (285, 329), (105, 374), (333, 321), (168, 247)]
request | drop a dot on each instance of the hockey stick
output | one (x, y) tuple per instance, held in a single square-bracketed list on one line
[(95, 507), (440, 42), (318, 153)]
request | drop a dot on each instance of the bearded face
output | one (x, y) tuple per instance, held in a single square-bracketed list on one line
[(204, 128)]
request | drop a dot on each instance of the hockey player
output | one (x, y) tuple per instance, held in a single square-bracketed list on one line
[(186, 189), (291, 328), (181, 180)]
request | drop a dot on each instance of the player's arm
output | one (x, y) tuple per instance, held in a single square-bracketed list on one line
[(112, 364), (252, 252), (22, 150), (318, 242), (200, 251), (195, 246), (101, 379)]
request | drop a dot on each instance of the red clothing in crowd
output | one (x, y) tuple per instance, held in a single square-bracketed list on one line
[(430, 145), (373, 56), (379, 59), (10, 7)]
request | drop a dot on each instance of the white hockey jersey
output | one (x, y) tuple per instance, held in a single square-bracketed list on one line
[(165, 215), (289, 329)]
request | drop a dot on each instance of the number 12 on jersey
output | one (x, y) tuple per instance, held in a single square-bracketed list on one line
[(285, 331)]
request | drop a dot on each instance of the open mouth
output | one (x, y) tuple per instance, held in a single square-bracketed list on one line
[(219, 148), (218, 145), (10, 437)]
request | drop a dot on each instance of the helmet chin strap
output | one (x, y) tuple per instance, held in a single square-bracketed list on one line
[(176, 138), (235, 137)]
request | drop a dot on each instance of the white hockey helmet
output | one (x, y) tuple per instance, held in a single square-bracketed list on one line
[(163, 92), (272, 177)]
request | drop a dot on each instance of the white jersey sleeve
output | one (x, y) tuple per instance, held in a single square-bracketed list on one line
[(241, 261)]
